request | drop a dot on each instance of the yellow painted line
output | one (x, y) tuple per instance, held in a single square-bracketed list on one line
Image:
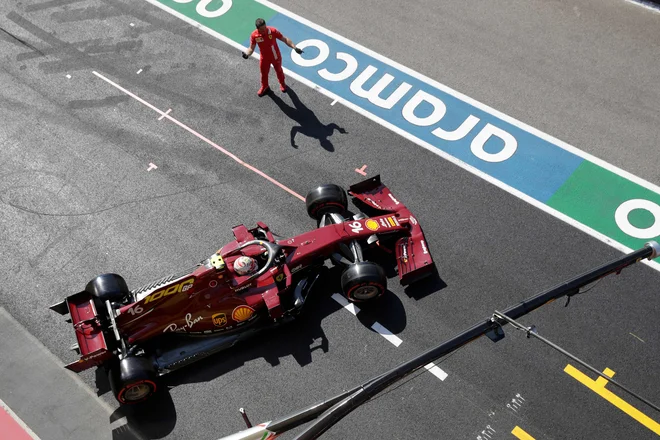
[(598, 387), (521, 434), (601, 381)]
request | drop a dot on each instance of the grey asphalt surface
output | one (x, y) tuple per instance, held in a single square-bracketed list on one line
[(78, 200)]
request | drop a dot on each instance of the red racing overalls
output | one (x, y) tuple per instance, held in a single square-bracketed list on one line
[(269, 54)]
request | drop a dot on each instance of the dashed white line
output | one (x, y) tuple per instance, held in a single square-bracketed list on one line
[(395, 340), (378, 328), (138, 72), (345, 304), (334, 102), (116, 424), (436, 371)]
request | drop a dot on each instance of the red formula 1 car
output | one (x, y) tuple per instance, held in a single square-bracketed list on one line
[(141, 334)]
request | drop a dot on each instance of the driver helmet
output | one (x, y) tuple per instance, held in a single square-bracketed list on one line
[(244, 265)]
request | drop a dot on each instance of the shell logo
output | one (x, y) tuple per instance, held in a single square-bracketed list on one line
[(372, 225), (242, 313)]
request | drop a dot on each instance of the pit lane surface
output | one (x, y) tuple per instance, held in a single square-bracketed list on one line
[(80, 201)]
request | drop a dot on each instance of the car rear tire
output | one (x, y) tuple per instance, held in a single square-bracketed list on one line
[(363, 281), (108, 286), (133, 380), (326, 199)]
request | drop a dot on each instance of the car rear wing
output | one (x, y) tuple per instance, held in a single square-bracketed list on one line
[(91, 345), (413, 258)]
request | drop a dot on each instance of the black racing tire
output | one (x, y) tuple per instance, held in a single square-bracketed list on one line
[(133, 380), (108, 286), (326, 199), (363, 281)]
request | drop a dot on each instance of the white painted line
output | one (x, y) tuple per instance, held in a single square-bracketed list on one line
[(395, 340), (166, 113), (151, 167), (345, 304), (12, 414), (199, 136), (116, 424), (333, 102), (436, 371), (378, 328), (68, 76), (138, 72)]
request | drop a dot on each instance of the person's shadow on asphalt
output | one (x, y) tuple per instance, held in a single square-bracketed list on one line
[(309, 124)]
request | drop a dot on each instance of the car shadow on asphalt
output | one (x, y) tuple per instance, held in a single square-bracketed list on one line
[(308, 124), (153, 419), (429, 285), (299, 339), (156, 418), (387, 311)]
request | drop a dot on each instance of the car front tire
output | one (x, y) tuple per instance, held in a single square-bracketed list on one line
[(326, 199), (363, 281)]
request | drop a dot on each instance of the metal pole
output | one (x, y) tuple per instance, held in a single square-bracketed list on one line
[(570, 288)]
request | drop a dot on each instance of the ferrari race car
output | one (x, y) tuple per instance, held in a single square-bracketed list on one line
[(139, 335)]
